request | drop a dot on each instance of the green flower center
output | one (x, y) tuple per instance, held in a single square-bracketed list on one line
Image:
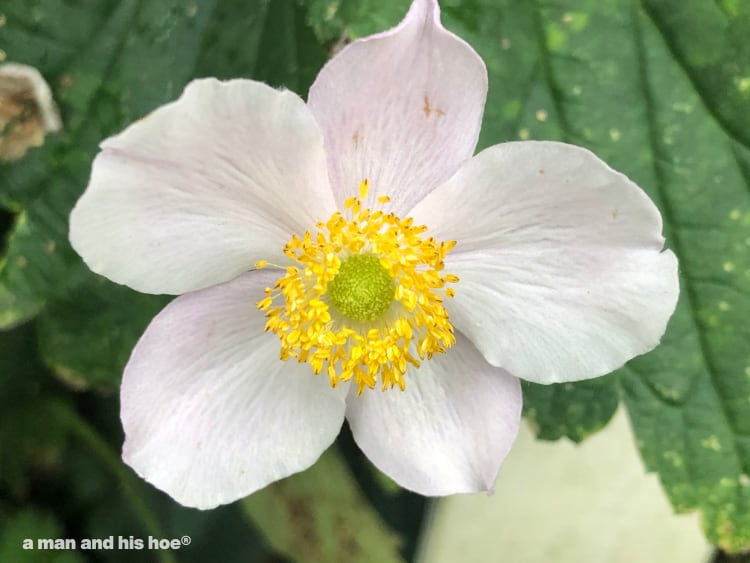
[(362, 290)]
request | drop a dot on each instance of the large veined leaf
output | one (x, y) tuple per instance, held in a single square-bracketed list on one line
[(718, 64), (606, 75)]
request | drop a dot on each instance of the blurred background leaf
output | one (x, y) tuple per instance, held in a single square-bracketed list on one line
[(659, 89), (321, 515), (86, 337), (30, 523), (110, 62)]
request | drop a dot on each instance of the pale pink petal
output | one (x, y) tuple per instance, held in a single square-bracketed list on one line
[(210, 412), (401, 108), (449, 431), (202, 188), (560, 260)]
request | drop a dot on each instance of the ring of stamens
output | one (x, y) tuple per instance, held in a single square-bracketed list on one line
[(411, 327)]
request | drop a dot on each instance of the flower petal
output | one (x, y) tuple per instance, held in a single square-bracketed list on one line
[(401, 108), (449, 431), (210, 412), (202, 188), (562, 273)]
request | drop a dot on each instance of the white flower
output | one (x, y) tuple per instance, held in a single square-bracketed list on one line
[(536, 260)]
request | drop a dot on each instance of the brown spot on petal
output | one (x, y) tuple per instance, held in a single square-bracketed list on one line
[(426, 108), (356, 138)]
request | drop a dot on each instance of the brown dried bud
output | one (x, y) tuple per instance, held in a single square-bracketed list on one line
[(27, 110)]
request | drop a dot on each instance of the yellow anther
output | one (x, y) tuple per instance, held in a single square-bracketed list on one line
[(364, 187)]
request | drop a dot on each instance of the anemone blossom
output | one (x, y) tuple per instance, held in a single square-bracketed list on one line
[(348, 258)]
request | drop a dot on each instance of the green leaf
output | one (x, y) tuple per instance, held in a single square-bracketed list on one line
[(710, 41), (25, 400), (39, 263), (268, 41), (600, 74), (109, 63), (30, 524), (320, 515), (102, 83), (341, 20), (572, 410), (86, 338), (703, 181)]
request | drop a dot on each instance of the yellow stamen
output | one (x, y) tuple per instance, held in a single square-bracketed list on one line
[(364, 186), (404, 332)]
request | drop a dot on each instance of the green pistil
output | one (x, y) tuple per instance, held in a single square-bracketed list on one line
[(362, 290)]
